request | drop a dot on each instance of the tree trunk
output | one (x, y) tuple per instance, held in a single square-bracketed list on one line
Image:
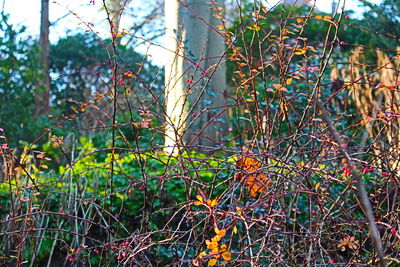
[(211, 123), (42, 99), (175, 96), (202, 66), (116, 8)]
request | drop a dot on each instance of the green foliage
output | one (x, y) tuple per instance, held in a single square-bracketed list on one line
[(384, 19), (81, 65), (19, 73)]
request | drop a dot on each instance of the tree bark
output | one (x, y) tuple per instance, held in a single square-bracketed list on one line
[(42, 99), (175, 96), (195, 76)]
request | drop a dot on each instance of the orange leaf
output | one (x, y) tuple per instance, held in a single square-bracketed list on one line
[(212, 262), (279, 87), (249, 173), (226, 256)]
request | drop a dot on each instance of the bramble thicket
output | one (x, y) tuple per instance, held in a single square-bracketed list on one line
[(270, 136)]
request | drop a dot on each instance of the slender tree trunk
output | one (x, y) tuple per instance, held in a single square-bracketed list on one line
[(195, 76), (42, 99), (175, 96), (208, 128)]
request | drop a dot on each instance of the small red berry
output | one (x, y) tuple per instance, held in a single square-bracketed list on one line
[(347, 17), (71, 259), (107, 244), (366, 169), (194, 114), (341, 43), (121, 82), (385, 174), (111, 25), (332, 260), (372, 168), (119, 257), (393, 231), (96, 251)]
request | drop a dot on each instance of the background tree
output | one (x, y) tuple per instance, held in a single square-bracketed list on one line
[(19, 73), (82, 70), (195, 77), (42, 98)]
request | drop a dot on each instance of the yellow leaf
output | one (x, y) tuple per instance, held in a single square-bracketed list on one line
[(318, 17), (214, 203), (239, 210), (56, 144), (200, 198), (289, 81), (212, 262), (223, 248), (215, 239), (216, 230), (198, 203), (317, 186), (234, 229), (300, 51), (254, 27), (226, 256)]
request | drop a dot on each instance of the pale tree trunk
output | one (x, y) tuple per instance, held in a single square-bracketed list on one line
[(175, 97), (201, 73), (116, 8), (42, 98)]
